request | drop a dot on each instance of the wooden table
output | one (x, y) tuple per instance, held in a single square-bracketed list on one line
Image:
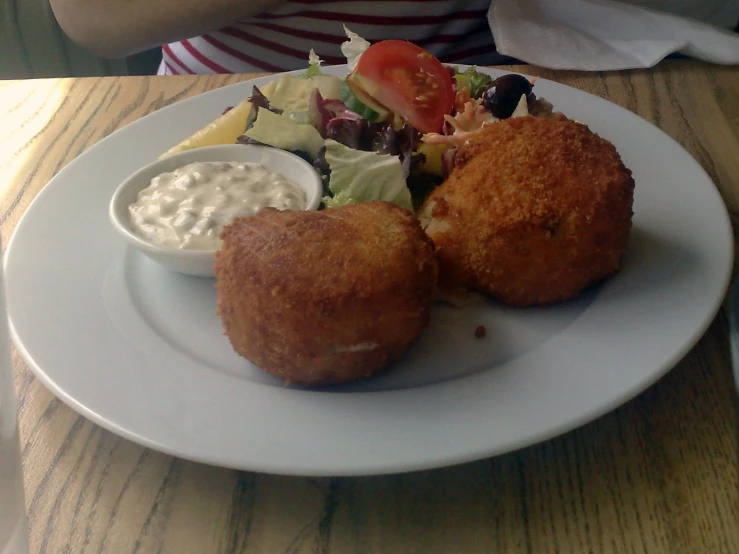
[(657, 475)]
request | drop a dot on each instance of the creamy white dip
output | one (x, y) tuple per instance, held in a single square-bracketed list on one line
[(188, 207)]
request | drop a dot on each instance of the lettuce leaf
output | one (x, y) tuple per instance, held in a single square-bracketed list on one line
[(281, 131), (474, 81), (292, 94), (353, 48), (358, 176), (314, 65)]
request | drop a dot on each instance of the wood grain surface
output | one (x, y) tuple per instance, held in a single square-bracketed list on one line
[(659, 474)]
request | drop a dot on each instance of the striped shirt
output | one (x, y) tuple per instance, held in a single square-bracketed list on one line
[(456, 31)]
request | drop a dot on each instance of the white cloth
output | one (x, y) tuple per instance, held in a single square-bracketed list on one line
[(600, 35)]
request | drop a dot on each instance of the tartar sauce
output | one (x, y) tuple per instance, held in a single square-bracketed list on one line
[(188, 207)]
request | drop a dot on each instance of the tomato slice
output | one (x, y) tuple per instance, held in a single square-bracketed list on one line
[(407, 80)]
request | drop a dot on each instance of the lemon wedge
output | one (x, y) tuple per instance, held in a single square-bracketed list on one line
[(225, 129)]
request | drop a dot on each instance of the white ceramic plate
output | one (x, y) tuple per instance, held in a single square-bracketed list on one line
[(140, 351)]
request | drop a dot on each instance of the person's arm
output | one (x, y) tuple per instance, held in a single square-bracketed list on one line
[(117, 28)]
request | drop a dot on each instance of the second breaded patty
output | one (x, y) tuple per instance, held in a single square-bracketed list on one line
[(325, 297), (534, 211)]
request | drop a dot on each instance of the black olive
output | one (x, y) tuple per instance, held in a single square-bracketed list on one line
[(504, 94)]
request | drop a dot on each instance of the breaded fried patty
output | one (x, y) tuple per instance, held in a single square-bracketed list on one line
[(325, 297), (534, 211)]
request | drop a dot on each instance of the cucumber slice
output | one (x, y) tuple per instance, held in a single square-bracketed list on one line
[(357, 106)]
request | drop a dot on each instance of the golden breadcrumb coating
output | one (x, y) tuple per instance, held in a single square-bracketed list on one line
[(534, 211), (325, 297)]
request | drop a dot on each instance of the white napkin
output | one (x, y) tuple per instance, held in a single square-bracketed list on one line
[(599, 35)]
